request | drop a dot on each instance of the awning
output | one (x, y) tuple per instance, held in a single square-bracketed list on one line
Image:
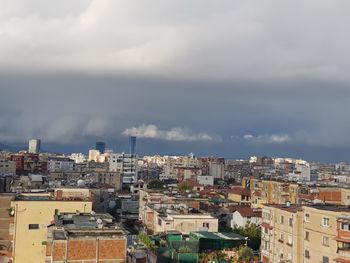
[(341, 260), (266, 225), (342, 239)]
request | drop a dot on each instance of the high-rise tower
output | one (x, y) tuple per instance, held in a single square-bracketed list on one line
[(132, 144), (34, 146)]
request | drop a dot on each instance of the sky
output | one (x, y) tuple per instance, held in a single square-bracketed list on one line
[(227, 78)]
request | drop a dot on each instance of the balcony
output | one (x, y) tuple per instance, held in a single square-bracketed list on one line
[(343, 252)]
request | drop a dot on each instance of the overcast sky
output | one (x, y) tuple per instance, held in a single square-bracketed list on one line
[(228, 78)]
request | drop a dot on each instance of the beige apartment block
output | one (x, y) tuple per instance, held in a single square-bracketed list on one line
[(317, 233), (32, 214)]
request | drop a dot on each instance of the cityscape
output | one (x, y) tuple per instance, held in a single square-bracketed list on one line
[(122, 207), (174, 131)]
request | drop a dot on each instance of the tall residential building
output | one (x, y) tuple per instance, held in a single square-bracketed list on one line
[(101, 147), (126, 164), (132, 144), (34, 146)]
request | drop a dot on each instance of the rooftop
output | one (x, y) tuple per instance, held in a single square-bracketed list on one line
[(217, 235), (84, 224)]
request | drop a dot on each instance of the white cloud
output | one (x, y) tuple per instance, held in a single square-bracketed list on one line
[(266, 138), (174, 134)]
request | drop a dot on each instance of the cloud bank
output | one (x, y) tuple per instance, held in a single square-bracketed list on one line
[(174, 134), (273, 138)]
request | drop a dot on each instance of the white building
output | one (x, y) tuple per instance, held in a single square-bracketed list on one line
[(205, 180), (34, 146), (244, 215), (126, 164), (78, 157)]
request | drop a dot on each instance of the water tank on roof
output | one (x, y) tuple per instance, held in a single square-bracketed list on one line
[(112, 204), (81, 183)]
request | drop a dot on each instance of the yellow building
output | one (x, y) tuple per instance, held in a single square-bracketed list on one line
[(32, 214)]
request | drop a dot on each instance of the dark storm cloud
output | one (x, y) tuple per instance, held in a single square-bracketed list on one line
[(231, 78)]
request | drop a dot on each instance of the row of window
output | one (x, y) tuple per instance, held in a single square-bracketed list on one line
[(325, 239), (290, 221), (307, 255)]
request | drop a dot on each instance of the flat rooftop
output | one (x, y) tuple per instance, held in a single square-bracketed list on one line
[(85, 224), (218, 235)]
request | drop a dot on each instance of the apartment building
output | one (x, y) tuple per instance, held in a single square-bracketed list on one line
[(317, 233), (7, 167), (60, 164), (126, 164), (33, 213)]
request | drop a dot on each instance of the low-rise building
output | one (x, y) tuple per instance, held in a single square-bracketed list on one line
[(243, 216), (86, 237), (172, 217), (239, 195)]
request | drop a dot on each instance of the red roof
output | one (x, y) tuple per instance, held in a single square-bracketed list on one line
[(249, 212), (192, 183), (240, 191)]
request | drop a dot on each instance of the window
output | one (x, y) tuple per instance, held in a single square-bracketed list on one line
[(290, 240), (325, 241), (206, 225), (266, 230), (307, 253), (281, 219), (33, 226), (325, 259), (325, 221), (159, 221), (345, 226), (307, 235), (281, 254), (266, 245), (290, 221), (281, 237), (307, 217)]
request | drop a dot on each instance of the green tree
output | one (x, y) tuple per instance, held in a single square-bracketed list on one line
[(147, 241), (245, 254), (183, 187), (155, 184), (253, 233)]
